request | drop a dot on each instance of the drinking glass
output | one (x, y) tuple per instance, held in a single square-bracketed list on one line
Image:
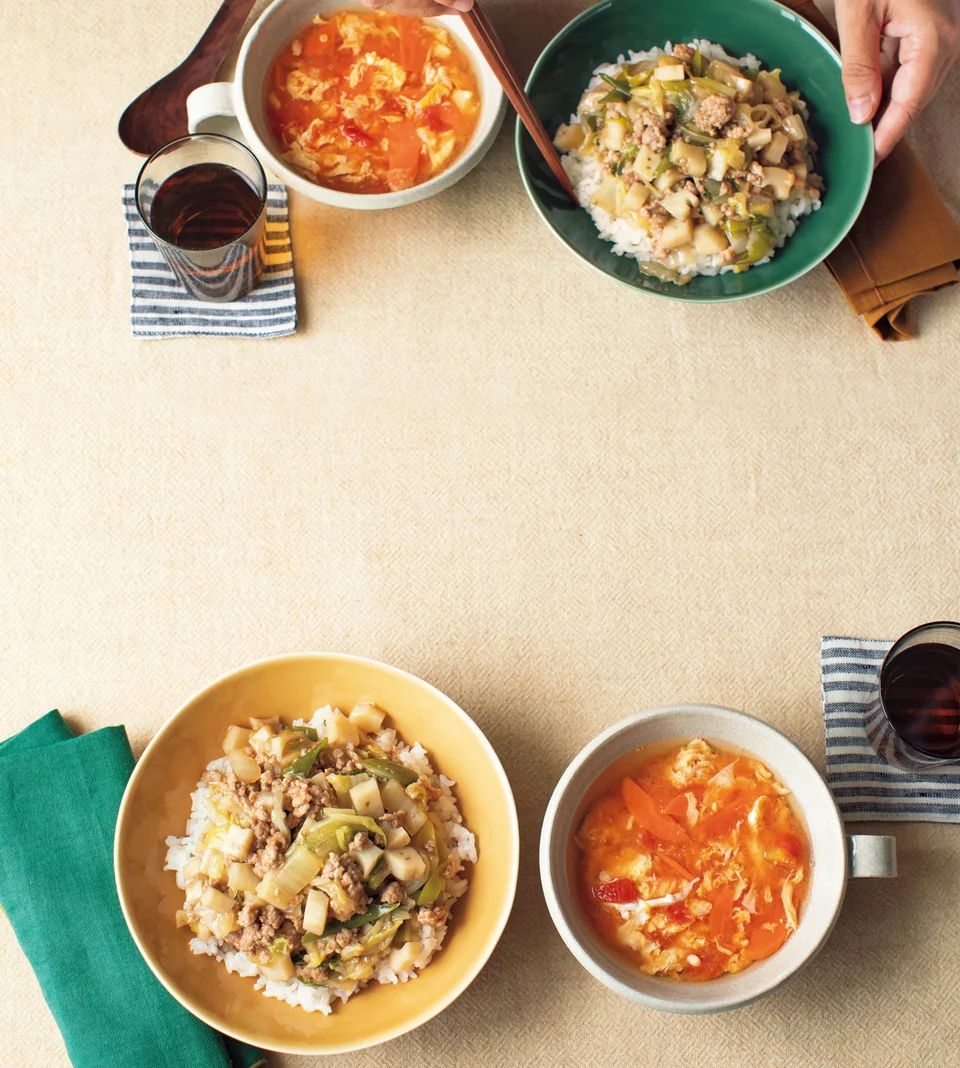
[(913, 720), (203, 200)]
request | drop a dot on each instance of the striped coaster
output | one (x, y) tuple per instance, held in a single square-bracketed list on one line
[(160, 307), (864, 784)]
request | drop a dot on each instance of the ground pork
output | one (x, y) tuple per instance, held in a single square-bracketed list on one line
[(395, 820), (393, 893), (713, 113), (302, 798), (228, 786), (754, 176), (259, 925), (346, 938), (292, 930), (432, 917), (793, 154), (341, 758), (684, 53), (270, 846), (658, 217), (738, 130), (650, 130), (346, 873)]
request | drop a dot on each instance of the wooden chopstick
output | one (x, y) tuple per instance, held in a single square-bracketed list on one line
[(486, 40)]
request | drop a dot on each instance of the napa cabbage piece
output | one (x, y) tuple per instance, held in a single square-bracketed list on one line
[(347, 818), (279, 886)]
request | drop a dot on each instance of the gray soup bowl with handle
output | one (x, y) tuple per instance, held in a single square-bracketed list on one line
[(835, 855)]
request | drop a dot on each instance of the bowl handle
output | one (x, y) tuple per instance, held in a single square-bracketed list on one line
[(872, 856), (212, 106)]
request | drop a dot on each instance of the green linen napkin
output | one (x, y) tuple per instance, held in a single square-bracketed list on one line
[(59, 798)]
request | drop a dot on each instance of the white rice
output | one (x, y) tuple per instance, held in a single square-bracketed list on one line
[(586, 176), (317, 998)]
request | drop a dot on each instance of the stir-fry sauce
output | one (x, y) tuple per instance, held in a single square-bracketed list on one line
[(370, 102), (693, 864)]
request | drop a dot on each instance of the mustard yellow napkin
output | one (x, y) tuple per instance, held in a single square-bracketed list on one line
[(904, 244)]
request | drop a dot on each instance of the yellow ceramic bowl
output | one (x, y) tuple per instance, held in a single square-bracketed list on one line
[(157, 801)]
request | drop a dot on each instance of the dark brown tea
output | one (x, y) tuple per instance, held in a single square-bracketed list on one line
[(920, 690), (204, 206)]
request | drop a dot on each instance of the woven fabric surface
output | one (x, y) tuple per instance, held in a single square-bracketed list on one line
[(554, 499)]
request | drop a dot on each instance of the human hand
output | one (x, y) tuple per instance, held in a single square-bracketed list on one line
[(928, 34), (425, 8)]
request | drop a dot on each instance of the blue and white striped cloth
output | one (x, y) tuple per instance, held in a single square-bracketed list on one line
[(161, 307), (864, 784)]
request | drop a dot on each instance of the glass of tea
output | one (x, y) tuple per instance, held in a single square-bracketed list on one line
[(914, 716), (203, 199)]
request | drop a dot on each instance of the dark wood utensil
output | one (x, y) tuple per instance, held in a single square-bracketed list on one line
[(482, 32), (159, 114)]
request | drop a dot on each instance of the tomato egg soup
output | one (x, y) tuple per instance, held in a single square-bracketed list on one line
[(691, 862), (371, 102)]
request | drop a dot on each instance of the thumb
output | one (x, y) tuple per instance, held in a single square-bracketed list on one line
[(859, 28)]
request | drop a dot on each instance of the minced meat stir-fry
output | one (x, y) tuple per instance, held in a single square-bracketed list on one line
[(327, 859), (697, 154)]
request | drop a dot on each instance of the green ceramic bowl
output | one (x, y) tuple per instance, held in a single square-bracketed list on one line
[(778, 38)]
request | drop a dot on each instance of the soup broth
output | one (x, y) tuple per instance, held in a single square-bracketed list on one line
[(691, 862), (371, 102)]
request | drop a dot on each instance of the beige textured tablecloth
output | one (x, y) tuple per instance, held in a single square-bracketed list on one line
[(553, 498)]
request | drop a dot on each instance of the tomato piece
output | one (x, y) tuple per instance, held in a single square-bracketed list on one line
[(679, 869), (791, 845), (319, 43), (649, 817), (678, 912), (404, 155), (352, 132), (721, 915), (432, 119), (677, 807), (414, 44), (454, 118), (727, 818), (618, 892), (763, 942)]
